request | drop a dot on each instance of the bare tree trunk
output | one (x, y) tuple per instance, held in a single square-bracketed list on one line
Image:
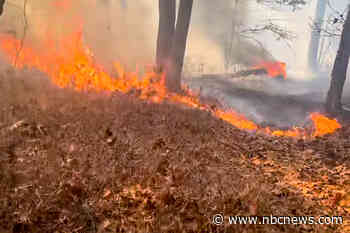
[(2, 3), (316, 35), (333, 102), (166, 28), (178, 48)]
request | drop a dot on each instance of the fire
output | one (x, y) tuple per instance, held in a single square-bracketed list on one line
[(237, 120), (323, 125), (62, 5), (70, 64), (274, 69)]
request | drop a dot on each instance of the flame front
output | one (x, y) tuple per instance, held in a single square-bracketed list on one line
[(273, 69), (72, 65), (323, 125)]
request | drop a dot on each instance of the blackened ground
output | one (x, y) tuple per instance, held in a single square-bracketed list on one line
[(282, 103), (88, 162)]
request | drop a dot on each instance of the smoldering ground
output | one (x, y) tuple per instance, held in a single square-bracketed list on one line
[(280, 103)]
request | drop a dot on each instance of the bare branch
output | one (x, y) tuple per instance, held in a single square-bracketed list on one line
[(333, 25), (294, 4), (276, 30)]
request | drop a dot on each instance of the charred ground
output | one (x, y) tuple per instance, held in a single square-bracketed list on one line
[(281, 103), (88, 162)]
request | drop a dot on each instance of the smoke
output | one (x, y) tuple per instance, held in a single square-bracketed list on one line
[(126, 31), (215, 34), (122, 33), (114, 31)]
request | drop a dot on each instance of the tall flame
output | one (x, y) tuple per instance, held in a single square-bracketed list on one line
[(70, 64)]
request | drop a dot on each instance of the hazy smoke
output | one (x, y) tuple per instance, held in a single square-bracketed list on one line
[(122, 33), (220, 23), (126, 31), (114, 30)]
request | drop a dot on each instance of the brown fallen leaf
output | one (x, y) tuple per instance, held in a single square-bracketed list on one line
[(107, 193)]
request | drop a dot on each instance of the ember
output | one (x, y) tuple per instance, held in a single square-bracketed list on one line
[(71, 65)]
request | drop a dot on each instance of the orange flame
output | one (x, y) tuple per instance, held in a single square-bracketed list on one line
[(72, 65), (237, 120), (323, 125), (62, 5), (274, 69)]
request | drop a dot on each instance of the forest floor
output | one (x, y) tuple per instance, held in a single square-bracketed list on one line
[(88, 162)]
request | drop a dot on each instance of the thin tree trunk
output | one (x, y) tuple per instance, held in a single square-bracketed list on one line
[(166, 28), (178, 48), (2, 3), (316, 35), (232, 37), (333, 102)]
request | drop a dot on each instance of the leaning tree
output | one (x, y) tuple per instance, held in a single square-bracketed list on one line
[(172, 39)]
